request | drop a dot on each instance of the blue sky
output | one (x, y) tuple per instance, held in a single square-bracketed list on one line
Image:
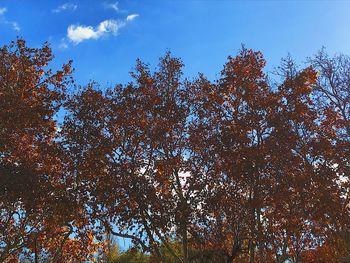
[(104, 38)]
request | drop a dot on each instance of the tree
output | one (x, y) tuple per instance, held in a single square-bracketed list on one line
[(128, 148), (268, 160), (35, 211), (332, 95)]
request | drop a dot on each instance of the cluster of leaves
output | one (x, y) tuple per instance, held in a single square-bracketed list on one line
[(242, 169)]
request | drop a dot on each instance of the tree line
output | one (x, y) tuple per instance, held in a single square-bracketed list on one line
[(250, 167)]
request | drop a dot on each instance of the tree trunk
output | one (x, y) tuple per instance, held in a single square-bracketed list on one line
[(251, 252), (36, 256), (185, 244)]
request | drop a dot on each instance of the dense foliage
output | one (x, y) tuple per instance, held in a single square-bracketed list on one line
[(248, 168)]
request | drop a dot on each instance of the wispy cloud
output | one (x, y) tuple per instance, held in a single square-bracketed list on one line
[(131, 17), (63, 44), (14, 25), (114, 6), (65, 7), (3, 20), (78, 33), (3, 10)]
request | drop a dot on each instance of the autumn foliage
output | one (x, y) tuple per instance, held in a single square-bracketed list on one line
[(251, 167)]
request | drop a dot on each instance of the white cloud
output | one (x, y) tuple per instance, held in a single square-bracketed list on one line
[(131, 17), (3, 20), (65, 7), (3, 10), (77, 33)]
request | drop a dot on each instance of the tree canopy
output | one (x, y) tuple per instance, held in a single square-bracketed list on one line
[(251, 167)]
